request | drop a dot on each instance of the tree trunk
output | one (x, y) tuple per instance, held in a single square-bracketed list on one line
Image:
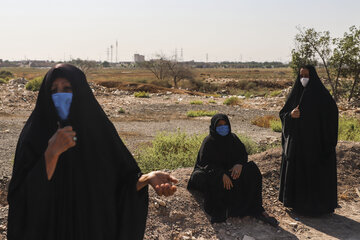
[(353, 86), (175, 82)]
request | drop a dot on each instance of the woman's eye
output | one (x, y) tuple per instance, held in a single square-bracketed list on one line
[(67, 89)]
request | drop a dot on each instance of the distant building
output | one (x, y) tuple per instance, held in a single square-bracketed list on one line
[(139, 58)]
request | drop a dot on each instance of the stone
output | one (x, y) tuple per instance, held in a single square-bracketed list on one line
[(246, 237)]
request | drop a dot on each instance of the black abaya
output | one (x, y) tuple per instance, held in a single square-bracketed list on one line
[(92, 193), (216, 157), (308, 170)]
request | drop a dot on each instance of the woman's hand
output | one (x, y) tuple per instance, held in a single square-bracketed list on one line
[(162, 182), (227, 182), (296, 112), (60, 142), (236, 171)]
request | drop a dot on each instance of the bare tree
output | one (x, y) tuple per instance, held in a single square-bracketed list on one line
[(165, 69), (179, 72), (158, 67), (85, 65)]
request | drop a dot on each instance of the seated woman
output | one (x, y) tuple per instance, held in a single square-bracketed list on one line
[(231, 185)]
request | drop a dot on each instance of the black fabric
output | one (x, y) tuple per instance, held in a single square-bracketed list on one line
[(308, 181), (92, 194), (216, 157)]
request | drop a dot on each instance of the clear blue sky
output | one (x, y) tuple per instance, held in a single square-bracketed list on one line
[(257, 30)]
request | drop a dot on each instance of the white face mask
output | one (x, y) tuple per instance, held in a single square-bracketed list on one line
[(304, 81)]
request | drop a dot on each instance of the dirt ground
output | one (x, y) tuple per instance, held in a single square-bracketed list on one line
[(180, 216)]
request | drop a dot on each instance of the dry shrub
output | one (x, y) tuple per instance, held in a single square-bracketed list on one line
[(264, 121)]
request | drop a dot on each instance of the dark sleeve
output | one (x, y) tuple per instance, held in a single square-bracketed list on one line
[(29, 186), (286, 122), (207, 159), (287, 133), (241, 156), (133, 209), (329, 124)]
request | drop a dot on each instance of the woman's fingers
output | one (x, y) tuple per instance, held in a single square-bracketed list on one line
[(172, 179), (158, 190)]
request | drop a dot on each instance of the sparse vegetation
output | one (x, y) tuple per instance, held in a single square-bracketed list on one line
[(196, 102), (121, 111), (176, 150), (275, 125), (201, 113), (232, 101), (141, 95), (349, 129), (264, 121), (275, 93), (6, 75), (212, 101), (34, 84)]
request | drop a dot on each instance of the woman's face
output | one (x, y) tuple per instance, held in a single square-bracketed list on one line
[(221, 123), (304, 73), (61, 85)]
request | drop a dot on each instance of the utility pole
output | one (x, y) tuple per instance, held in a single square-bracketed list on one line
[(116, 51), (111, 47)]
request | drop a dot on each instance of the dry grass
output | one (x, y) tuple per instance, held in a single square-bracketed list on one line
[(264, 121)]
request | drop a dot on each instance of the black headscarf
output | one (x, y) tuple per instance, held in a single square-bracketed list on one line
[(92, 194), (220, 153), (308, 171)]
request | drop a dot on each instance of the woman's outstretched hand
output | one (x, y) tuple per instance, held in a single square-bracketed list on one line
[(162, 182)]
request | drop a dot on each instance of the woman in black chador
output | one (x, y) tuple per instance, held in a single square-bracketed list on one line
[(309, 136), (230, 184), (73, 178)]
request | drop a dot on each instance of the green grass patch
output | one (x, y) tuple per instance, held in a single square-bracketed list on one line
[(7, 75), (3, 80), (275, 93), (177, 150), (231, 101), (141, 95), (196, 102), (212, 101), (349, 129), (200, 113), (34, 84), (121, 111), (275, 125)]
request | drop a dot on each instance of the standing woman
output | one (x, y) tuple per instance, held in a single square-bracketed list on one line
[(309, 119), (73, 178)]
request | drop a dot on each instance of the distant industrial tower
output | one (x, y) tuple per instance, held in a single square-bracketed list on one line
[(182, 55), (207, 57), (176, 55), (116, 51), (111, 47)]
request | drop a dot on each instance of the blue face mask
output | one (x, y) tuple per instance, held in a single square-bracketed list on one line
[(62, 102), (223, 130)]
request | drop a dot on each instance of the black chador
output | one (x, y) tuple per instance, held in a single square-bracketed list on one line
[(217, 155), (308, 170), (92, 194)]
